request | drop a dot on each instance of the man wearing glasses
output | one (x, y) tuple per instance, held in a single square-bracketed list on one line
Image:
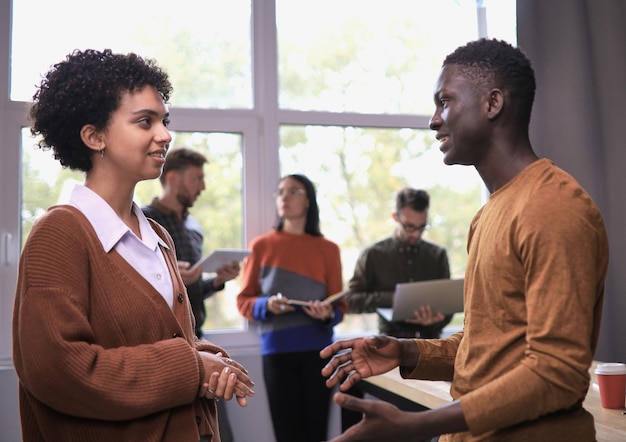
[(402, 257)]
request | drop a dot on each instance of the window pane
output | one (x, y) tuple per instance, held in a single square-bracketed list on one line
[(357, 172), (501, 19), (204, 46), (219, 208), (44, 182), (371, 57)]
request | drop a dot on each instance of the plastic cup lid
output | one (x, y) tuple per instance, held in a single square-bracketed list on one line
[(611, 368)]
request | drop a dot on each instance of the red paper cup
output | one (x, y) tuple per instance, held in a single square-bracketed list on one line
[(612, 382)]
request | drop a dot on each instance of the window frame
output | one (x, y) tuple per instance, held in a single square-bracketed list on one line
[(259, 126)]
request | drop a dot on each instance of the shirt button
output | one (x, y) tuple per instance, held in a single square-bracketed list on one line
[(176, 335), (158, 276), (180, 298)]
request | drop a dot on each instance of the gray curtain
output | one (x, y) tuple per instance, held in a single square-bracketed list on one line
[(578, 50)]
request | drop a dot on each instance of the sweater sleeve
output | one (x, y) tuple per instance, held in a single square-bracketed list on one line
[(436, 360), (249, 302), (335, 281)]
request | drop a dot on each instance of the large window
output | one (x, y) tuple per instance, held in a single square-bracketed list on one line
[(338, 90), (367, 56), (357, 172), (205, 45)]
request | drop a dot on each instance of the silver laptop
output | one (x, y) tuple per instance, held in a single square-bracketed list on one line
[(443, 295)]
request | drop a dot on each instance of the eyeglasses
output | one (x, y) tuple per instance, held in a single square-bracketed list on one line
[(412, 228), (291, 191)]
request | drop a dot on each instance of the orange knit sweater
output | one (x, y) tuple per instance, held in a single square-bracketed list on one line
[(534, 285)]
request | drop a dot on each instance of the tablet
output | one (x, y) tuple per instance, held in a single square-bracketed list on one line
[(331, 299), (442, 295), (218, 257)]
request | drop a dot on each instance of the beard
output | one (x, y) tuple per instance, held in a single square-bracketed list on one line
[(402, 237), (411, 241), (185, 199)]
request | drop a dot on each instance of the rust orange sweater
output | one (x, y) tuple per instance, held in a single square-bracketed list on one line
[(303, 267), (534, 285)]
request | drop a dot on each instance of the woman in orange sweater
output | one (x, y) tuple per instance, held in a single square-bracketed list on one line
[(294, 262)]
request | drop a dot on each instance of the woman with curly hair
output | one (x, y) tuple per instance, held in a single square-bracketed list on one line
[(103, 335)]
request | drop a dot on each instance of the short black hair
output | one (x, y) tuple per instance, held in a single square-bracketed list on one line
[(496, 63), (180, 158), (86, 88), (416, 199)]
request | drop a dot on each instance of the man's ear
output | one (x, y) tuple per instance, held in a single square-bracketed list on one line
[(92, 138), (171, 178), (394, 215), (495, 103)]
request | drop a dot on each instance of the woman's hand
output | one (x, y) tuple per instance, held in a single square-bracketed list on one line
[(188, 276), (278, 305), (226, 378), (320, 310)]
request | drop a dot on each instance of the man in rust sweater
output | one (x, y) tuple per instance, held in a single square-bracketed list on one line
[(534, 283)]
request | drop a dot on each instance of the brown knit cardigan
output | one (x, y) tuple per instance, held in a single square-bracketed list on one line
[(99, 354)]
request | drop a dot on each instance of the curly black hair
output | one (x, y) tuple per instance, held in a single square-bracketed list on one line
[(496, 63), (86, 88)]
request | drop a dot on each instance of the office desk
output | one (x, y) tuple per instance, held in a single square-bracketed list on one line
[(415, 395)]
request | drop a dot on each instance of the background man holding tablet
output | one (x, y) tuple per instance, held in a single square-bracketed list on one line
[(182, 181)]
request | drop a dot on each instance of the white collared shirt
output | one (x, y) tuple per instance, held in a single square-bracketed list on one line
[(143, 254)]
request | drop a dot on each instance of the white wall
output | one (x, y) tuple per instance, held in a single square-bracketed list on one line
[(9, 413)]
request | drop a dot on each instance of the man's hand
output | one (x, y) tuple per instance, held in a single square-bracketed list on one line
[(366, 357), (226, 272), (425, 316), (383, 422), (189, 277)]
